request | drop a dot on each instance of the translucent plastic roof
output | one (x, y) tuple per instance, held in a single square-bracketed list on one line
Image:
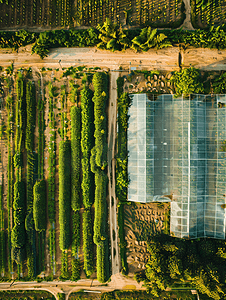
[(177, 153)]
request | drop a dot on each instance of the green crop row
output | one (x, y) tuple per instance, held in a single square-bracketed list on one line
[(122, 180), (29, 145), (10, 118), (41, 136), (88, 243), (98, 163), (2, 236), (51, 176), (100, 83), (87, 143), (64, 265), (75, 157), (64, 193), (19, 112), (39, 205), (18, 237)]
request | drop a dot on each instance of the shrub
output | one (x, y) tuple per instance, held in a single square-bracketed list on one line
[(187, 81), (75, 232), (39, 206), (64, 193)]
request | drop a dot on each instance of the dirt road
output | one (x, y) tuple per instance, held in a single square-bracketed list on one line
[(112, 117), (66, 57), (68, 287)]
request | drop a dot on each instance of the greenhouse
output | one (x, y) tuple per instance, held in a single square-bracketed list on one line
[(177, 151)]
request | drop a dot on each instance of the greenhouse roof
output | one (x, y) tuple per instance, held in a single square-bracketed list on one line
[(177, 151)]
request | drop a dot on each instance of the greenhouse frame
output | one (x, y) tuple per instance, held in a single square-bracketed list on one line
[(177, 153)]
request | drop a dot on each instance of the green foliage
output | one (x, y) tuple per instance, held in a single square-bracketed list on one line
[(88, 243), (61, 296), (62, 38), (100, 83), (198, 262), (39, 206), (87, 142), (112, 36), (149, 38), (100, 226), (187, 81), (75, 269), (64, 193), (122, 179), (64, 266), (219, 84), (75, 157), (18, 237), (98, 163)]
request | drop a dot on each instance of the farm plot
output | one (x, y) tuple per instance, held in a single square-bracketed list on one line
[(142, 220), (46, 210), (71, 13), (207, 13)]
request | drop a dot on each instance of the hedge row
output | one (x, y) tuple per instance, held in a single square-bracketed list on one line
[(75, 157), (52, 158), (87, 142), (88, 242), (41, 136), (213, 37), (98, 163), (75, 187), (122, 179), (75, 262), (64, 193), (19, 112), (18, 236), (29, 145), (39, 205), (2, 236), (100, 83)]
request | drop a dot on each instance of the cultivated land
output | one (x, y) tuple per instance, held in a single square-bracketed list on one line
[(43, 14), (63, 144)]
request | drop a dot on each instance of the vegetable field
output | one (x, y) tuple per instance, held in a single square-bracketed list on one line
[(72, 13), (206, 13), (47, 188)]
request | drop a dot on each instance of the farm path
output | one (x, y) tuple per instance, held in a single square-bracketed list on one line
[(163, 59), (187, 22), (112, 116), (118, 281)]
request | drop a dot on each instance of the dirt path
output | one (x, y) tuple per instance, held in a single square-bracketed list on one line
[(112, 116), (187, 22), (67, 287)]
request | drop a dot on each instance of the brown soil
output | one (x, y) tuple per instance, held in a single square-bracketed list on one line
[(140, 221)]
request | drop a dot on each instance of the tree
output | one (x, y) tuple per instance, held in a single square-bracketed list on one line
[(149, 38)]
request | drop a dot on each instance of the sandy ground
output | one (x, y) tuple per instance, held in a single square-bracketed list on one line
[(164, 59)]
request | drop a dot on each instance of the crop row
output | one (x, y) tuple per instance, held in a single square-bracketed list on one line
[(98, 164), (29, 145), (64, 193), (75, 187), (51, 176)]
